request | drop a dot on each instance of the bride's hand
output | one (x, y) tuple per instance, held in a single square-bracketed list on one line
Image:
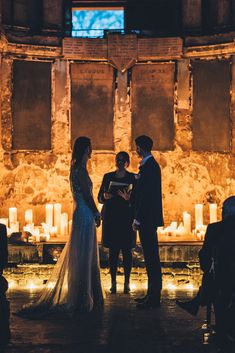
[(97, 219), (107, 196)]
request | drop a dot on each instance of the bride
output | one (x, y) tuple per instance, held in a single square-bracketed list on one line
[(74, 285)]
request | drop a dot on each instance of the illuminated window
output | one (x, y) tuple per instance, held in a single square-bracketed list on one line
[(93, 22)]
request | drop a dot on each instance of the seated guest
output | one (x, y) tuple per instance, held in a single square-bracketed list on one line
[(217, 261), (117, 215), (3, 247)]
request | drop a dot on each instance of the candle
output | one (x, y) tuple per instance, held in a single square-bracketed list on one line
[(49, 214), (57, 216), (70, 226), (187, 222), (198, 215), (4, 221), (15, 227), (12, 215), (53, 231), (29, 228), (36, 232), (28, 216), (213, 212), (64, 224), (180, 230)]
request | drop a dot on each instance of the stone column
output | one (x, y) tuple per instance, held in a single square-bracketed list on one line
[(183, 121), (122, 115), (60, 107)]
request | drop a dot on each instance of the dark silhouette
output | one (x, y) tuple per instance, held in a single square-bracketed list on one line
[(117, 216), (3, 247), (4, 303), (217, 261), (148, 216)]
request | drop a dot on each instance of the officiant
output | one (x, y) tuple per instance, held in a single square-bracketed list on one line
[(116, 194)]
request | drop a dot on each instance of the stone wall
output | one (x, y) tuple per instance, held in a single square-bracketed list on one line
[(30, 179)]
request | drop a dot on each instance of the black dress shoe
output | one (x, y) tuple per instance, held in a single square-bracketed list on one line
[(149, 303), (191, 307), (141, 299), (126, 288), (113, 289)]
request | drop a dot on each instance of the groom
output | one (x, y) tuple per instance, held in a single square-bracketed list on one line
[(148, 216)]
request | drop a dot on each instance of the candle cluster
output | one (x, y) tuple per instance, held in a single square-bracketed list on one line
[(185, 228), (56, 223)]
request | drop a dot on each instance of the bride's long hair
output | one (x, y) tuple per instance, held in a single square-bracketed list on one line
[(79, 148)]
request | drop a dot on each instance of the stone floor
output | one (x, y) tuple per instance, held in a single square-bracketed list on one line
[(118, 328)]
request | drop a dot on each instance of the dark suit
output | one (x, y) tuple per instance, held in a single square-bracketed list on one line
[(3, 247), (219, 249), (148, 211)]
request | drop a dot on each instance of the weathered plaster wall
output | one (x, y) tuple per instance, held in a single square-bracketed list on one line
[(32, 179)]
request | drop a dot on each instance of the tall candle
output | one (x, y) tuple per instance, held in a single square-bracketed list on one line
[(57, 216), (12, 215), (64, 224), (49, 214), (213, 212), (198, 215), (28, 216), (187, 222)]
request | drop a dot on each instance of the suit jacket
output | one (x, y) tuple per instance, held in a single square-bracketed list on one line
[(3, 247), (148, 196), (219, 245)]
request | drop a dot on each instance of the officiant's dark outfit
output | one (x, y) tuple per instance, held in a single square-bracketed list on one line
[(117, 217), (148, 212)]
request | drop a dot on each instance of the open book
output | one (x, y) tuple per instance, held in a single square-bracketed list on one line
[(115, 186)]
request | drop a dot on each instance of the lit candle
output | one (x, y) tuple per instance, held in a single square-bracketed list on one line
[(4, 221), (187, 222), (64, 224), (213, 212), (12, 215), (198, 215), (70, 226), (28, 216), (36, 232), (57, 216), (180, 230), (53, 231), (15, 227), (49, 214)]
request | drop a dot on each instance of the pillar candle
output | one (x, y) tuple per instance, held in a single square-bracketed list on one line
[(49, 214), (213, 212), (64, 224), (28, 216), (70, 226), (198, 215), (187, 222), (15, 227), (57, 216), (12, 215)]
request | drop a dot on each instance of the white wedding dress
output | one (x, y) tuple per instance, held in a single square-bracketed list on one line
[(74, 285)]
